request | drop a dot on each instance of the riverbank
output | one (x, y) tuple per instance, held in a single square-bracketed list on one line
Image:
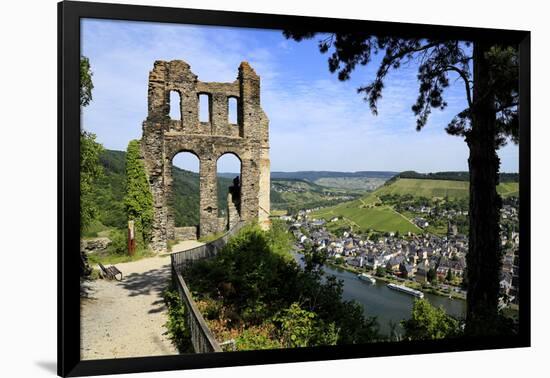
[(411, 284)]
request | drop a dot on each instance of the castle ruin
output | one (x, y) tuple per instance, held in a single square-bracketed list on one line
[(248, 139)]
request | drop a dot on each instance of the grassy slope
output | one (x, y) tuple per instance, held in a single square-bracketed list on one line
[(427, 188), (364, 215), (440, 188), (381, 218)]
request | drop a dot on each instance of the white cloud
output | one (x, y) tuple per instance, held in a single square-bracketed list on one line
[(324, 123)]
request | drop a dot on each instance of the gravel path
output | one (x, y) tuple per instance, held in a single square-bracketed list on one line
[(126, 318)]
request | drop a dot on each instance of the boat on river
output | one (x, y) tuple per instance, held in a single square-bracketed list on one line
[(406, 290), (366, 277)]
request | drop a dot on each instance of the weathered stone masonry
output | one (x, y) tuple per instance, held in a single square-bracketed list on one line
[(163, 138)]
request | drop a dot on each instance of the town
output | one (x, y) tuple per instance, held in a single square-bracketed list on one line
[(428, 261)]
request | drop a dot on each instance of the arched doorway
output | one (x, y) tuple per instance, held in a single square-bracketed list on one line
[(229, 174), (185, 195)]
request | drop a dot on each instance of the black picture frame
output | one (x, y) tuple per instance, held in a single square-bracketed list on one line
[(69, 15)]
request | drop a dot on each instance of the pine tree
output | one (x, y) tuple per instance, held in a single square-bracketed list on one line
[(489, 73)]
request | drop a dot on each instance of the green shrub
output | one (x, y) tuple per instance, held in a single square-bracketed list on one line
[(93, 229), (90, 172), (119, 243), (300, 328), (428, 322), (256, 338), (177, 329), (254, 278)]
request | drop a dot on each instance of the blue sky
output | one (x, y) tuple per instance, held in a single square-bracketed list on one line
[(316, 121)]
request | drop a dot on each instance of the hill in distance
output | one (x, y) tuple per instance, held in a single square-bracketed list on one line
[(343, 192), (288, 193), (453, 176), (315, 175), (361, 214), (110, 190), (430, 188), (362, 180)]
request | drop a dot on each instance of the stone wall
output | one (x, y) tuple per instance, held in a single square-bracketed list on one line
[(185, 233), (163, 138)]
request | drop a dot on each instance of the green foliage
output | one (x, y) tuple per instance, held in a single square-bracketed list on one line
[(449, 276), (90, 172), (119, 242), (296, 194), (117, 258), (363, 215), (254, 278), (300, 328), (384, 210), (257, 338), (428, 322), (139, 200), (109, 190), (93, 229), (431, 275), (314, 260), (279, 239), (185, 201), (86, 84), (455, 176), (186, 196), (177, 329), (380, 271)]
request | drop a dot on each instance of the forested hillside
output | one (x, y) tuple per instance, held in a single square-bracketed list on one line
[(109, 192), (451, 176)]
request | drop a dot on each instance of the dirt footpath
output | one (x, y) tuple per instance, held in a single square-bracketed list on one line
[(125, 319)]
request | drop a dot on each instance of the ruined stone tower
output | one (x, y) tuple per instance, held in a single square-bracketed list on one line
[(164, 137)]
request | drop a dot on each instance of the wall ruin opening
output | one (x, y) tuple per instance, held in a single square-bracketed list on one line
[(163, 139), (184, 199), (229, 174), (232, 111), (175, 106), (204, 108)]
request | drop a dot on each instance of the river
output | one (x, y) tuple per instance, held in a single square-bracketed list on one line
[(386, 304)]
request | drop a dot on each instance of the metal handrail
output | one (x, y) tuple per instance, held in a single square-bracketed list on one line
[(202, 338)]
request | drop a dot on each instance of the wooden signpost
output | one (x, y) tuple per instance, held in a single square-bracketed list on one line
[(131, 238)]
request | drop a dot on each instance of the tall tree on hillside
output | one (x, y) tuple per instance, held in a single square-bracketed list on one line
[(489, 75), (90, 168), (86, 84)]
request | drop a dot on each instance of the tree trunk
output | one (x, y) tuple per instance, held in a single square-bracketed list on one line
[(484, 256)]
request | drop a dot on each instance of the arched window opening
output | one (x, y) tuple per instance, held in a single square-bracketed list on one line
[(232, 110), (185, 199), (229, 187), (204, 107), (175, 106)]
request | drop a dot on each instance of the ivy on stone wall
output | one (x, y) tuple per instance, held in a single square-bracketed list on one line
[(138, 201)]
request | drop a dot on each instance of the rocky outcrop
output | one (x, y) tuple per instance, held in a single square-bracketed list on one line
[(94, 245)]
